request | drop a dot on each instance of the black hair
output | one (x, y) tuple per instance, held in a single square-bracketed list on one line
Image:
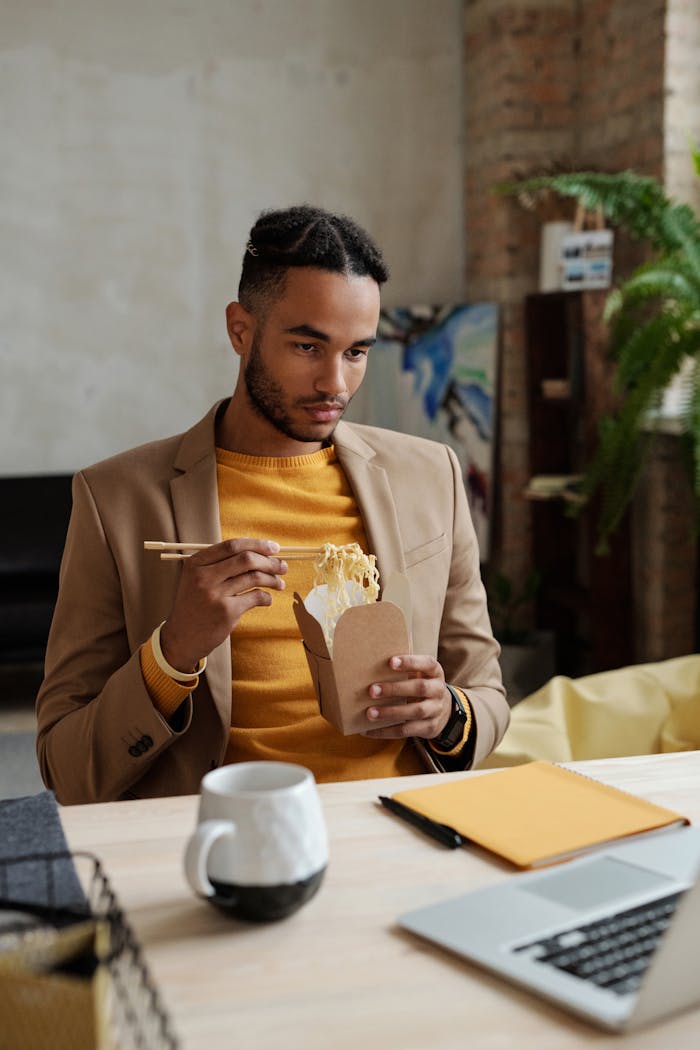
[(303, 236)]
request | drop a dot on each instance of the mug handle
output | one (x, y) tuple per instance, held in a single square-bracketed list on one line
[(197, 853)]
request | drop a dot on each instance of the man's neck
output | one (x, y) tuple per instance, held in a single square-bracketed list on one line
[(243, 431)]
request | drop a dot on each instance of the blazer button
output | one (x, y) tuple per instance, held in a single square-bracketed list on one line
[(135, 751), (146, 741)]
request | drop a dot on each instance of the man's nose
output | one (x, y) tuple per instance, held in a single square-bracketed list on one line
[(331, 377)]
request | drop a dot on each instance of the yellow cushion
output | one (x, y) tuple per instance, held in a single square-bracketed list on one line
[(637, 710)]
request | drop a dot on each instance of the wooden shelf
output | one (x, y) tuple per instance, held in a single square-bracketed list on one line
[(553, 486), (555, 389), (585, 599)]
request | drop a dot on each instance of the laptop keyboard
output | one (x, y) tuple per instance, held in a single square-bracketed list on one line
[(613, 952)]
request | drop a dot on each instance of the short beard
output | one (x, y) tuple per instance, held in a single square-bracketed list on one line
[(267, 398)]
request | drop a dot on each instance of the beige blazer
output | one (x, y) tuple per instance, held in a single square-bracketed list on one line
[(99, 735)]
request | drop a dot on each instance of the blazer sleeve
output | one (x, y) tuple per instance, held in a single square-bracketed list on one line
[(467, 649), (98, 730)]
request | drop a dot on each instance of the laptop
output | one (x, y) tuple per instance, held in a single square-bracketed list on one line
[(613, 937)]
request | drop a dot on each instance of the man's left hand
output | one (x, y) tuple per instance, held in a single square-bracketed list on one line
[(420, 704)]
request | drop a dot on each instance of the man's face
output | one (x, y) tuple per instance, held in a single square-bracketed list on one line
[(308, 357)]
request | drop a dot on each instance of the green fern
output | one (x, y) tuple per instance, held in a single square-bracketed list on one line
[(654, 322)]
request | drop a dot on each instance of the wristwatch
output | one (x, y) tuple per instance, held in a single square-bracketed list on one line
[(454, 730)]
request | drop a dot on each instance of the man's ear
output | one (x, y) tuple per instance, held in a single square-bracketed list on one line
[(240, 326)]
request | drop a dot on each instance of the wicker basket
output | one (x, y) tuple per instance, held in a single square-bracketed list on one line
[(72, 976)]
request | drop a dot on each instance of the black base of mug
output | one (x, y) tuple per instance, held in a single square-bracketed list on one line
[(264, 903)]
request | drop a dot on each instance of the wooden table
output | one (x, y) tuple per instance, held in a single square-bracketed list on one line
[(338, 975)]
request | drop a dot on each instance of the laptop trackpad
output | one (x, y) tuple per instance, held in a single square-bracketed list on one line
[(590, 885)]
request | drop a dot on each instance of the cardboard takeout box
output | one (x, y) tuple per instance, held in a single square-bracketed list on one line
[(366, 637)]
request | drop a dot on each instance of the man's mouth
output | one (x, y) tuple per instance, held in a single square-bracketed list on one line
[(324, 413)]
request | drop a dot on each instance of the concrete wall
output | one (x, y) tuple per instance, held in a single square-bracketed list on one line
[(139, 143), (682, 98)]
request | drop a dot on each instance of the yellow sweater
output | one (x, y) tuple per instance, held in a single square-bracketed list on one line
[(303, 500)]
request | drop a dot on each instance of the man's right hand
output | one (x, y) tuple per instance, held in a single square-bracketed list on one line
[(218, 585)]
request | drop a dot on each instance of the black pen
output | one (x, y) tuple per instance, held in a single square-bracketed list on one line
[(442, 833)]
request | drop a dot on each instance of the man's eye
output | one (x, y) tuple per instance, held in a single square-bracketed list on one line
[(306, 347), (356, 353)]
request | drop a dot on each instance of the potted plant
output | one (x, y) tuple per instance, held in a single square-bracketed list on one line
[(654, 319)]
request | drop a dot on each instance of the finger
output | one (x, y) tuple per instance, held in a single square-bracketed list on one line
[(232, 548), (251, 600), (417, 665), (245, 581), (408, 688), (246, 563), (424, 710)]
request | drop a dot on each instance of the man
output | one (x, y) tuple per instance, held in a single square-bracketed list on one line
[(156, 672)]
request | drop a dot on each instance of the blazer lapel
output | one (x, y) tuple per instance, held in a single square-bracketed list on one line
[(375, 500), (196, 509)]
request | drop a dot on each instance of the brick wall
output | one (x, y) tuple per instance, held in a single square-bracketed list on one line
[(577, 84), (621, 84), (665, 549), (520, 99), (665, 556)]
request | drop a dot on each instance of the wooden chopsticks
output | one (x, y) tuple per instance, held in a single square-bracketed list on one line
[(178, 551)]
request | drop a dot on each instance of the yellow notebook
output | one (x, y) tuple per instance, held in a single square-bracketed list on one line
[(537, 813)]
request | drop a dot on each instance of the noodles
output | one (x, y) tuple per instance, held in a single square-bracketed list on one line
[(336, 567)]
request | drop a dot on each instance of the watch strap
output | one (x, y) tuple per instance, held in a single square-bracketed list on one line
[(462, 713)]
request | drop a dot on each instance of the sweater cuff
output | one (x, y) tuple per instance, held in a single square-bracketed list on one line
[(166, 694)]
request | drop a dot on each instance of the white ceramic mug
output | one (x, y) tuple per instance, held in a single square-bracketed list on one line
[(260, 848)]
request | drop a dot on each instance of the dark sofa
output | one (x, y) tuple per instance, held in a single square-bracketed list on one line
[(33, 521)]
